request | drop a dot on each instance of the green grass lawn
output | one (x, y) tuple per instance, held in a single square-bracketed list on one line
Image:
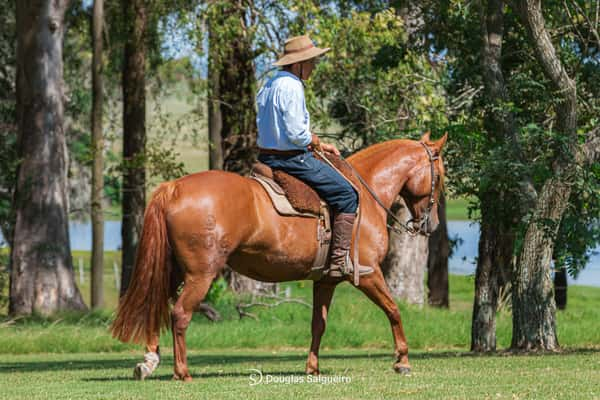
[(457, 209), (73, 355), (354, 322), (361, 374)]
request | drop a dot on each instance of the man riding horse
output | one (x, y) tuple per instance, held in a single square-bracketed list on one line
[(195, 225), (284, 138)]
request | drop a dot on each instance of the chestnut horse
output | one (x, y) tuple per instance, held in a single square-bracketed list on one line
[(194, 225)]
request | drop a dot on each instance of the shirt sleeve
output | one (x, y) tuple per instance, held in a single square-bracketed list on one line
[(295, 116)]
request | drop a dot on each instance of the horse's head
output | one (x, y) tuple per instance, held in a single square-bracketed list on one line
[(425, 182)]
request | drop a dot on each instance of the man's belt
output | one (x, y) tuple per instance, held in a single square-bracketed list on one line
[(281, 152)]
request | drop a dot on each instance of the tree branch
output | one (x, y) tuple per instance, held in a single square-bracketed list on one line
[(590, 151), (242, 307)]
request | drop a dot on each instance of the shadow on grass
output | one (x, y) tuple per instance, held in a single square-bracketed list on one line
[(195, 360), (207, 375)]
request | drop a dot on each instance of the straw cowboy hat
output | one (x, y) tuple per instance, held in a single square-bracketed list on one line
[(297, 49)]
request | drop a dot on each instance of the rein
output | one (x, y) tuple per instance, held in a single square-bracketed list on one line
[(424, 219)]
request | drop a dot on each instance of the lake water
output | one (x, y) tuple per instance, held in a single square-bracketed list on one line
[(462, 261)]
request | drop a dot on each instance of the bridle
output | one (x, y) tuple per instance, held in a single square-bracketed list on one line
[(424, 220), (427, 215)]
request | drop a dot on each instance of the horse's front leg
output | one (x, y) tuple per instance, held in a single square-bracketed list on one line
[(322, 294), (374, 286)]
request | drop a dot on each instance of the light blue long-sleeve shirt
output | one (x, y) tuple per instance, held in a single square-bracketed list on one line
[(283, 120)]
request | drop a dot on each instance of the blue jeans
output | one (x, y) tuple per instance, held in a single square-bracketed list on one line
[(326, 181)]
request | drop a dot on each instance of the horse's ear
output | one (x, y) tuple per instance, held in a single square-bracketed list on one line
[(439, 144), (425, 137)]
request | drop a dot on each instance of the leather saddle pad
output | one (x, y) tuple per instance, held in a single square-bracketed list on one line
[(302, 197)]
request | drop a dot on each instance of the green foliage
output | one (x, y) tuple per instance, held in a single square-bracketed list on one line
[(371, 82), (482, 163), (579, 231), (160, 159), (217, 291)]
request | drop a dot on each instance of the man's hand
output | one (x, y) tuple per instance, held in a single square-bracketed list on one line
[(330, 148), (315, 143)]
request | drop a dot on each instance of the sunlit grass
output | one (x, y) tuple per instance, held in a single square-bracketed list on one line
[(361, 374), (354, 322)]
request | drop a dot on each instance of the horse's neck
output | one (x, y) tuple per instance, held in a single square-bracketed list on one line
[(385, 167)]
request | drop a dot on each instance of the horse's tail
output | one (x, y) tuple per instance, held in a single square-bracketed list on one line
[(144, 309)]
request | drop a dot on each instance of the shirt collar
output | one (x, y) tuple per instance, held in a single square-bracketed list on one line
[(282, 72)]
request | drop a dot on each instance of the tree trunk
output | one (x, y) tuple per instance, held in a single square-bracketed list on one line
[(405, 263), (42, 278), (560, 288), (8, 117), (215, 119), (493, 265), (437, 261), (496, 239), (97, 153), (134, 133), (237, 89), (534, 309), (232, 115)]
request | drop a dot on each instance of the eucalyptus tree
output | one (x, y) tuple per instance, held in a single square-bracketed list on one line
[(138, 44), (505, 140), (98, 157), (133, 84), (8, 119), (42, 278), (534, 324)]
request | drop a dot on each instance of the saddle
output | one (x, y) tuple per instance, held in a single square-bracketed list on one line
[(292, 197)]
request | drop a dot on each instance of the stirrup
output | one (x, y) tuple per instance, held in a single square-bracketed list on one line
[(348, 269)]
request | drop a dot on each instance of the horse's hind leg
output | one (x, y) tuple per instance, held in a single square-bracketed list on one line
[(196, 285), (374, 286), (152, 356), (151, 359), (322, 294)]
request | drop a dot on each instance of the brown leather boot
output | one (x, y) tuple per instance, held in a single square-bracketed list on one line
[(340, 263)]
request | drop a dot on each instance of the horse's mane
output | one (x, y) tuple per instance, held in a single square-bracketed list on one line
[(377, 149)]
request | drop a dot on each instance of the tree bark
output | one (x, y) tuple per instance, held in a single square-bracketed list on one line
[(232, 115), (493, 272), (8, 118), (134, 133), (237, 92), (215, 118), (406, 261), (534, 309), (42, 278), (496, 238), (98, 157), (437, 261)]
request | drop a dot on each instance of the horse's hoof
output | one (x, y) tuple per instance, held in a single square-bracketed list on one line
[(185, 378), (312, 371), (141, 372), (402, 369)]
